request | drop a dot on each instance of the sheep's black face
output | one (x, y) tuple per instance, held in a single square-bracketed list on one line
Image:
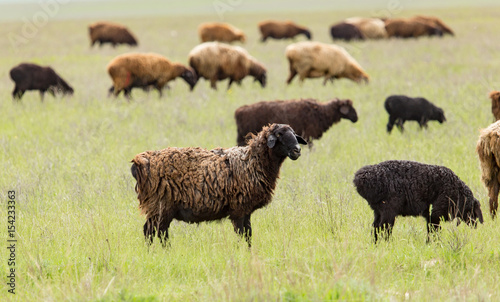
[(439, 116), (308, 34), (475, 214), (348, 112), (190, 77), (262, 79), (285, 142)]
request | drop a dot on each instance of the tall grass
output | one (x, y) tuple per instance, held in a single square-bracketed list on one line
[(79, 229)]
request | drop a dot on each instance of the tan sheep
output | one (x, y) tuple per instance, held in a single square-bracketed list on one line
[(221, 32), (107, 32), (216, 61), (488, 150), (281, 30), (142, 70), (315, 59), (371, 28)]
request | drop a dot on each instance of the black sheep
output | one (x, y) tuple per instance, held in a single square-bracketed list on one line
[(406, 188), (346, 31), (308, 117), (29, 76), (402, 108)]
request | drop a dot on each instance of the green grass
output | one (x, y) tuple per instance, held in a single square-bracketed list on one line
[(79, 228)]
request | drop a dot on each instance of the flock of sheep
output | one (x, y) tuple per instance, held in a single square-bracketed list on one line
[(195, 184)]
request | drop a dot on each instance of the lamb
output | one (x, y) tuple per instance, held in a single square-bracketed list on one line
[(221, 32), (282, 30), (113, 33), (488, 150), (195, 184), (309, 118), (406, 188), (217, 61), (346, 31), (315, 59), (142, 70), (495, 104), (402, 108), (28, 76), (436, 22), (371, 28), (407, 28)]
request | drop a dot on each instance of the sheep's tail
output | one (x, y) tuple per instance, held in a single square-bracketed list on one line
[(489, 153)]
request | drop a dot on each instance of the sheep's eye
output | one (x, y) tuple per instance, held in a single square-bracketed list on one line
[(278, 135)]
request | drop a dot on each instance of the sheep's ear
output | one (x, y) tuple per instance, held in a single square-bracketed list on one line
[(300, 140), (344, 109), (271, 140)]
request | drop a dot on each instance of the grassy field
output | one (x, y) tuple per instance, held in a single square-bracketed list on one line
[(78, 227)]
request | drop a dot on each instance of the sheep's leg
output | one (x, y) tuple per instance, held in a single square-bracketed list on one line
[(376, 223), (149, 229), (242, 227), (42, 95), (493, 194), (390, 123), (386, 222), (126, 92), (163, 230), (399, 124), (111, 90), (229, 84), (17, 93), (213, 83), (293, 73), (423, 123)]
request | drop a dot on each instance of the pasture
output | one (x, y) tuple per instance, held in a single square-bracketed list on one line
[(78, 226)]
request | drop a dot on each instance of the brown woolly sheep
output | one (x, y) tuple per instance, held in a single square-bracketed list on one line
[(407, 28), (221, 32), (371, 28), (142, 70), (488, 150), (495, 104), (282, 30), (27, 76), (195, 184), (436, 22), (315, 59), (217, 61), (107, 32), (309, 118)]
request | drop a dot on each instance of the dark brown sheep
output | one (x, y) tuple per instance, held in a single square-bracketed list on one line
[(195, 184), (282, 30), (495, 104), (113, 33), (346, 31), (309, 118), (407, 28), (436, 22), (29, 76)]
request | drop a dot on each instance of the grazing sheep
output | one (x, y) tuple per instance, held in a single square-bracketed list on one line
[(28, 76), (282, 30), (309, 118), (488, 149), (142, 70), (402, 108), (371, 28), (406, 188), (107, 32), (345, 31), (407, 28), (221, 32), (217, 61), (436, 22), (315, 59), (195, 184), (495, 104)]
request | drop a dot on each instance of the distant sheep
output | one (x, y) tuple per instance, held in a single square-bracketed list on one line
[(195, 184), (405, 188), (346, 31), (142, 70), (217, 61), (28, 76), (407, 28), (315, 59), (488, 150), (221, 32), (282, 30), (436, 22), (371, 28), (402, 108), (495, 104), (113, 33), (309, 118)]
